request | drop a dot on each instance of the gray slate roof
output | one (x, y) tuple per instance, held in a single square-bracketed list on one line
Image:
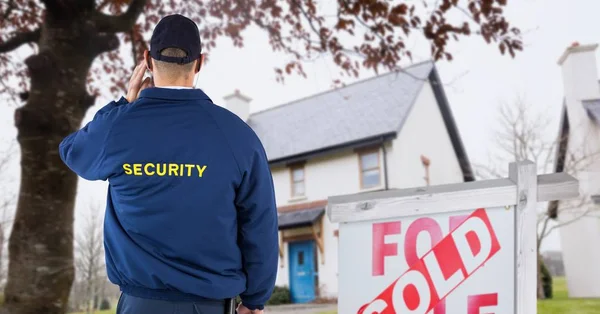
[(593, 108), (596, 199), (358, 111), (299, 218)]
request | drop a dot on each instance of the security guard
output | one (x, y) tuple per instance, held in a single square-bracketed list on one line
[(191, 220)]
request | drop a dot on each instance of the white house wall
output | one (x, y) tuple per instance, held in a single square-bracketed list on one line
[(331, 175), (328, 272), (283, 271), (424, 133), (581, 259)]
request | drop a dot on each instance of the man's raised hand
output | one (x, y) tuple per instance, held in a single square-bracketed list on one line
[(136, 85)]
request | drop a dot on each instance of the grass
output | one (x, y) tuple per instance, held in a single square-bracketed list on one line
[(560, 303)]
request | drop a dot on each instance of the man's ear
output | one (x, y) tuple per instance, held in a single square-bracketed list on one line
[(200, 63), (148, 60)]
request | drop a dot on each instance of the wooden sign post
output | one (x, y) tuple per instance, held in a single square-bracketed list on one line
[(464, 248)]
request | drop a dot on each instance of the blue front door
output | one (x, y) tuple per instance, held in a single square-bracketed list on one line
[(302, 271)]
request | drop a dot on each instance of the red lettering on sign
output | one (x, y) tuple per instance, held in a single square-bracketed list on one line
[(430, 279), (476, 302), (455, 221), (382, 249), (410, 245)]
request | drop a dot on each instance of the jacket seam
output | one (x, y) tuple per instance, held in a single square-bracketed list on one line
[(110, 128), (226, 139)]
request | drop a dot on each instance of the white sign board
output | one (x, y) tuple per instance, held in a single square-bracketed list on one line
[(421, 251), (390, 248)]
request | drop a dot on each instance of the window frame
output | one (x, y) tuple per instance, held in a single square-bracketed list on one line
[(361, 171), (293, 182)]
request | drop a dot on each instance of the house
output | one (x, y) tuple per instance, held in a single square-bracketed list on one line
[(579, 138), (392, 131)]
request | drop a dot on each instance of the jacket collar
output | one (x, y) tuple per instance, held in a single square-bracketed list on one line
[(174, 94)]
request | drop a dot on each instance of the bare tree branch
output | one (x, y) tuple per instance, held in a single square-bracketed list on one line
[(90, 255), (121, 23), (545, 219), (5, 158), (568, 222), (20, 39), (309, 20), (487, 172), (522, 136)]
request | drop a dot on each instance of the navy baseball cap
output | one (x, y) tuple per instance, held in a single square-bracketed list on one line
[(176, 31)]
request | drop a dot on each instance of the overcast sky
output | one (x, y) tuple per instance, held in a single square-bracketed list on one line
[(477, 80)]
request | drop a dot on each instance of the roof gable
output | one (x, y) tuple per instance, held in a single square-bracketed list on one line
[(359, 111), (592, 106)]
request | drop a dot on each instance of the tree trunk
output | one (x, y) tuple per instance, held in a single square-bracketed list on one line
[(40, 249), (540, 283), (2, 261), (41, 270)]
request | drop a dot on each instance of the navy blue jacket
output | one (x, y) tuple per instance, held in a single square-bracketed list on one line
[(191, 209)]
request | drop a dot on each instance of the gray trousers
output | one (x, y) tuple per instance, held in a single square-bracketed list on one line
[(133, 305)]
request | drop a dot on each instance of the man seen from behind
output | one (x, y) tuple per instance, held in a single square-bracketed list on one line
[(191, 220)]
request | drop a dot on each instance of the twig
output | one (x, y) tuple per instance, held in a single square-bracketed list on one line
[(309, 20), (567, 222)]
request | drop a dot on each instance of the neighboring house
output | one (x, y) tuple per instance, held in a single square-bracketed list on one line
[(580, 137), (392, 131)]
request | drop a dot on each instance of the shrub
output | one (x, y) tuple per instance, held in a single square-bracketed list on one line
[(105, 304), (546, 281), (281, 295)]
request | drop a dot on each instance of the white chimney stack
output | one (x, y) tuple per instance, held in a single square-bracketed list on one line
[(580, 77), (580, 81), (238, 104)]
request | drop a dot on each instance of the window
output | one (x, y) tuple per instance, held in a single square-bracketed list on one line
[(300, 258), (370, 172), (298, 181)]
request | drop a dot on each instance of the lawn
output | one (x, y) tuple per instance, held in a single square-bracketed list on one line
[(561, 304)]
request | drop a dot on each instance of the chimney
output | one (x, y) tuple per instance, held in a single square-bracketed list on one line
[(238, 104), (580, 77)]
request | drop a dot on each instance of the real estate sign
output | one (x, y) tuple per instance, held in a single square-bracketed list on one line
[(465, 248), (446, 263)]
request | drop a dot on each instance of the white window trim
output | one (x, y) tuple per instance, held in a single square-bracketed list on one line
[(360, 170), (295, 198)]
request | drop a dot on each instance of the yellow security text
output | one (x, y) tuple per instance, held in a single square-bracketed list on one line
[(164, 169)]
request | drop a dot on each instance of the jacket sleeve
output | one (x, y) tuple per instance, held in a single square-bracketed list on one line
[(258, 231), (84, 151)]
